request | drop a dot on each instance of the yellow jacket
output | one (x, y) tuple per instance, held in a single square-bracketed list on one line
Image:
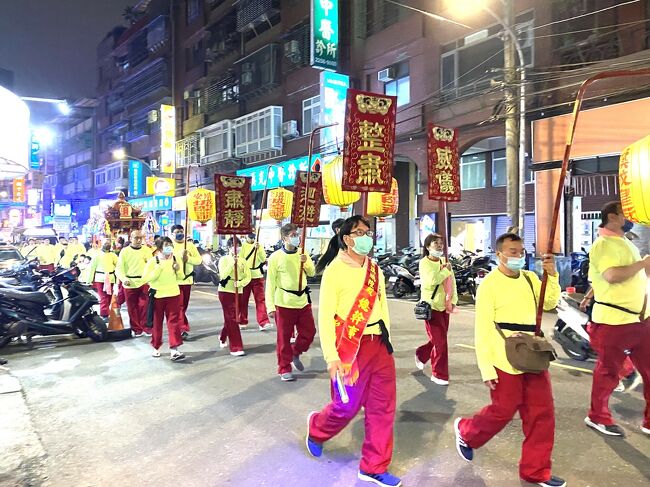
[(503, 299), (227, 270), (71, 251), (29, 251), (130, 266), (283, 269), (432, 275), (247, 251), (340, 286), (609, 252), (102, 264), (47, 254), (160, 275), (193, 258)]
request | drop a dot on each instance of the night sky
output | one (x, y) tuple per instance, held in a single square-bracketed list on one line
[(51, 44)]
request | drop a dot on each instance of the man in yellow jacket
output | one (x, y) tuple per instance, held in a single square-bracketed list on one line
[(47, 255), (72, 249), (507, 298), (288, 305), (102, 273), (29, 249), (255, 256), (130, 271), (620, 317), (187, 256)]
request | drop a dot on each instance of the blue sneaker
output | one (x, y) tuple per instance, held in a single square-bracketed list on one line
[(314, 448), (383, 479), (464, 451), (553, 482)]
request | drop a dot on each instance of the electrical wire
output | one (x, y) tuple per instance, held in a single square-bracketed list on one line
[(585, 14)]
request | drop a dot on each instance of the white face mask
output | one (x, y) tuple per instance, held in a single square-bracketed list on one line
[(435, 253)]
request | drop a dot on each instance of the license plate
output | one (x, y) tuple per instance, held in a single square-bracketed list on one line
[(417, 282), (392, 279)]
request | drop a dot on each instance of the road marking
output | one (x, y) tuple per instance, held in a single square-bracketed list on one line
[(207, 294), (554, 364)]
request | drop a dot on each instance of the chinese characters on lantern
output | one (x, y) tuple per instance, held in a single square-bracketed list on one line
[(200, 204), (443, 164), (314, 197), (233, 201), (369, 142)]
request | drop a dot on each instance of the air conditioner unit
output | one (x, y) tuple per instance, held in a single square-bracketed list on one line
[(292, 49), (386, 75), (153, 163), (152, 116), (290, 129), (246, 78), (186, 95)]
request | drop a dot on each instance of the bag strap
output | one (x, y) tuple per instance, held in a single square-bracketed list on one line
[(625, 310), (434, 292), (250, 253), (532, 290)]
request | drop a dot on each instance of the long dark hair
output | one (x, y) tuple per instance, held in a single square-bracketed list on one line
[(337, 242), (432, 237)]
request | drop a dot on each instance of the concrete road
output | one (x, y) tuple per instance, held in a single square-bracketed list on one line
[(109, 414)]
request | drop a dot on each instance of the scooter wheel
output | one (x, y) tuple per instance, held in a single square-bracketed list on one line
[(96, 328), (575, 355)]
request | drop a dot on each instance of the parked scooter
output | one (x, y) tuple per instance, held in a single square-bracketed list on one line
[(580, 271), (207, 271), (571, 328), (29, 313)]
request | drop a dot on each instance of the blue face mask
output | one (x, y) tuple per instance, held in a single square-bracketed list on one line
[(627, 226), (167, 251), (179, 236), (362, 245), (516, 263), (294, 241)]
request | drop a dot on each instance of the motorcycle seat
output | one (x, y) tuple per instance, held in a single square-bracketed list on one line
[(32, 296)]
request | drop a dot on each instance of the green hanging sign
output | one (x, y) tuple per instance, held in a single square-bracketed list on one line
[(324, 40)]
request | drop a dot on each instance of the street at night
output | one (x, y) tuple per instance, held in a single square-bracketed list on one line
[(109, 414)]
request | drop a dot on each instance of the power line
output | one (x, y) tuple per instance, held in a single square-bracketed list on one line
[(585, 14)]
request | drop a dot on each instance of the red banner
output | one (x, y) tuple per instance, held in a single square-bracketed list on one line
[(233, 202), (443, 164), (19, 190), (314, 199), (369, 141)]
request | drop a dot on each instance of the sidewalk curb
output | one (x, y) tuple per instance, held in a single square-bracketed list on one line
[(23, 458)]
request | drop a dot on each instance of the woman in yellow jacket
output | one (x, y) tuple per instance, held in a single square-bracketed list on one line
[(162, 272), (434, 271)]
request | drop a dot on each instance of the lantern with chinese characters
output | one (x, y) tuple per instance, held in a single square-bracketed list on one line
[(200, 205), (332, 191), (634, 181), (384, 204), (280, 203)]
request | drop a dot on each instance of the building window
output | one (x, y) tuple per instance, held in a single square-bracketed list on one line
[(310, 114), (259, 131), (193, 10), (100, 178), (472, 171), (194, 56), (401, 85), (499, 172), (381, 15)]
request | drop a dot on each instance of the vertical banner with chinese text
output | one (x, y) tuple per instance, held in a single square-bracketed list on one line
[(369, 142), (233, 202), (324, 38), (314, 199), (443, 164), (19, 190), (167, 139)]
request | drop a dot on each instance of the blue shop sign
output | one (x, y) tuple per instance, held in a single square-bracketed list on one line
[(153, 203), (280, 174)]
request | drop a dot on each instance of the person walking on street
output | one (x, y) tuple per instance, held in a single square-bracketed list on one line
[(71, 251), (161, 273), (256, 261), (289, 305), (102, 273), (620, 321), (229, 290), (47, 255), (508, 298), (354, 327), (29, 249), (187, 256), (439, 291), (130, 271)]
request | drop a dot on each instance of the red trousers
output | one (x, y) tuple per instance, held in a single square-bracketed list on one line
[(531, 395), (104, 300), (612, 341), (186, 289), (230, 326), (375, 390), (121, 296), (286, 319), (137, 301), (256, 287), (168, 309), (628, 366), (436, 348)]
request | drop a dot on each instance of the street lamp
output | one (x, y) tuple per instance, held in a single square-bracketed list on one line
[(515, 207)]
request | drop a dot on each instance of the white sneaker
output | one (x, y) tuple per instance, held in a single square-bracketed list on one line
[(266, 326), (638, 380), (243, 327), (241, 353), (155, 353), (440, 382), (147, 334), (645, 430), (418, 364), (176, 356), (136, 335), (223, 344)]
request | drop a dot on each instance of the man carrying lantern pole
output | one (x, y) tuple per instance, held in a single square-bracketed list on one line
[(255, 258), (188, 255)]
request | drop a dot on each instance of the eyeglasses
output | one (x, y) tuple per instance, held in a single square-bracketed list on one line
[(361, 233)]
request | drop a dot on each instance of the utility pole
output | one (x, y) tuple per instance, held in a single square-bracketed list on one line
[(511, 125)]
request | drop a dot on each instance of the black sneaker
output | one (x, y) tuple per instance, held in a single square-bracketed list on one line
[(465, 452), (298, 364), (606, 429), (553, 482)]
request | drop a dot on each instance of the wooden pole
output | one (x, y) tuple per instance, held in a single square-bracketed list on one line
[(259, 220), (442, 218), (236, 276), (565, 164), (187, 218)]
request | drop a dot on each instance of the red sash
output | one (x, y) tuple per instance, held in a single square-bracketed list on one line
[(350, 330)]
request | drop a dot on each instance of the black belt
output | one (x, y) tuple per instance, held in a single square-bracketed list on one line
[(134, 277), (223, 282), (306, 291), (516, 327), (102, 272), (259, 267), (620, 308), (385, 336)]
